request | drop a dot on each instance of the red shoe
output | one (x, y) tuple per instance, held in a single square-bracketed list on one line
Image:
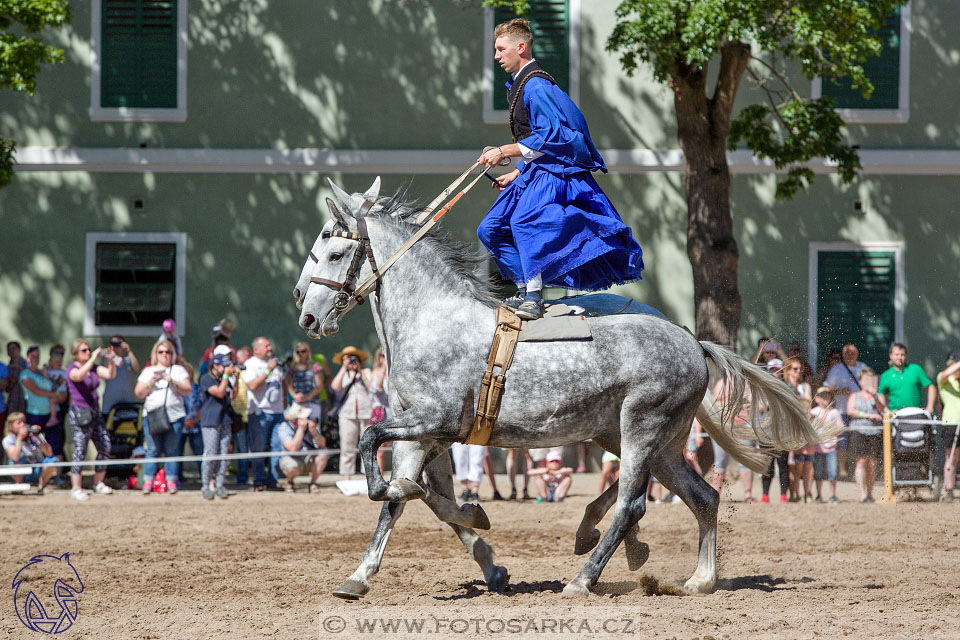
[(784, 498), (765, 499)]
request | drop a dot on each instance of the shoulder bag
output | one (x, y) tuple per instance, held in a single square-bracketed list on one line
[(158, 422)]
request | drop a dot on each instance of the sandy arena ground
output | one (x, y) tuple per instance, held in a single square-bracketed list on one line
[(264, 564)]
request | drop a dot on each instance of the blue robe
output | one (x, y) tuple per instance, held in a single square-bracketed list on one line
[(554, 219)]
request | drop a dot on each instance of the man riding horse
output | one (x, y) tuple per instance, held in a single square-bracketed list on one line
[(551, 224)]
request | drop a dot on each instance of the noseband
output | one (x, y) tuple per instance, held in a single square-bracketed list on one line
[(346, 290)]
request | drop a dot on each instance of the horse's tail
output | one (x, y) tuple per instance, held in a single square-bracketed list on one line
[(785, 425)]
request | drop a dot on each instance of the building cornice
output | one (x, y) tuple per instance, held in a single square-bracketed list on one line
[(427, 161)]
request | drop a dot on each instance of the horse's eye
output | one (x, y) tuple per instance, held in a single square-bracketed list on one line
[(335, 257)]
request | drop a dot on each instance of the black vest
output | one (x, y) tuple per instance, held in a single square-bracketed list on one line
[(519, 118)]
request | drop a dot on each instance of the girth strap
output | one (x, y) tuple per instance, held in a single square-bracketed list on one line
[(491, 385)]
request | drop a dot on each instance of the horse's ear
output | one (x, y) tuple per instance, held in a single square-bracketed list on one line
[(335, 213), (373, 192), (349, 203)]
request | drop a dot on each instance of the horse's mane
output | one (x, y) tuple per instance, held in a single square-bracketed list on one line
[(461, 257)]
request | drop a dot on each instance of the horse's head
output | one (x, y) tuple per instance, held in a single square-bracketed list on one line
[(40, 582), (335, 260)]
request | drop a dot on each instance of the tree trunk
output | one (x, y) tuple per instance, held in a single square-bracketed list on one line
[(711, 247)]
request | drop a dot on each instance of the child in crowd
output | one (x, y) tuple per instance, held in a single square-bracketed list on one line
[(825, 458), (170, 333), (553, 481), (26, 446)]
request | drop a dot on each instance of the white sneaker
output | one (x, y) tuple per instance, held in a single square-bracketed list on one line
[(80, 495), (676, 500), (102, 488)]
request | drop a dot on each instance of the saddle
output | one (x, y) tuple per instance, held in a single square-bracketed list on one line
[(563, 319)]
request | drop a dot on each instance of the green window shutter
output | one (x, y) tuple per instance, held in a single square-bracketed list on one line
[(855, 303), (883, 71), (550, 23), (139, 51), (136, 283)]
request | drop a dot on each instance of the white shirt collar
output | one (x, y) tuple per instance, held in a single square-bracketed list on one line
[(523, 67)]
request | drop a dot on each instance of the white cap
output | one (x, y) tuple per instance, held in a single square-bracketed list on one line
[(223, 350)]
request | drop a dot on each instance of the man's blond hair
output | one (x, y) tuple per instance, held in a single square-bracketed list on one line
[(518, 30)]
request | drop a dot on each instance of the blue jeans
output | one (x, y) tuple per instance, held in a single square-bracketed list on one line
[(169, 444), (240, 445), (262, 433)]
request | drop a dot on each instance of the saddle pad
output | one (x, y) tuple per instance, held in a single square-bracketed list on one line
[(566, 318)]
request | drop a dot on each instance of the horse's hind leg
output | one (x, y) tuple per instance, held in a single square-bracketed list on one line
[(438, 478), (631, 505), (677, 476)]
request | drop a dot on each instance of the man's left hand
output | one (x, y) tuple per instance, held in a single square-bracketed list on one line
[(491, 157), (502, 182)]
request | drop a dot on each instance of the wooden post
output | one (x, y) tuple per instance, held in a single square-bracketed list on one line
[(888, 497)]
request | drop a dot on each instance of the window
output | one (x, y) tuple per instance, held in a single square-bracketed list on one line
[(134, 281), (889, 72), (556, 33), (139, 60), (856, 294)]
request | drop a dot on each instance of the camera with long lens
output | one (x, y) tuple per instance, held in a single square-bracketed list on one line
[(353, 359)]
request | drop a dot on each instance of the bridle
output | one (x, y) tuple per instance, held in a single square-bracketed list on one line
[(346, 290), (349, 294)]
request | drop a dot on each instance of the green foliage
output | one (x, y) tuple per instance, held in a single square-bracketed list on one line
[(828, 38), (22, 54)]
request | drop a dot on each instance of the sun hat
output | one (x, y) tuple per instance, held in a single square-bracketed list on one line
[(775, 365), (297, 412), (554, 456), (824, 391), (350, 351), (223, 350)]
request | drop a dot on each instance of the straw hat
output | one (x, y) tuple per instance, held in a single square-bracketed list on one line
[(350, 351)]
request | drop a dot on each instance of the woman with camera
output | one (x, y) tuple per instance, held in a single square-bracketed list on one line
[(355, 408), (164, 385), (83, 377)]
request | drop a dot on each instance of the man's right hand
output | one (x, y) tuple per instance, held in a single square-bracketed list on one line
[(502, 182), (272, 364)]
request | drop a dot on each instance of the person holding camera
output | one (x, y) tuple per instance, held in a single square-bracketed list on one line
[(300, 432), (120, 388), (216, 422), (163, 384), (26, 446), (264, 379), (355, 408), (83, 377)]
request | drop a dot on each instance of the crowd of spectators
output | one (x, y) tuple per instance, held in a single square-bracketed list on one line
[(248, 400)]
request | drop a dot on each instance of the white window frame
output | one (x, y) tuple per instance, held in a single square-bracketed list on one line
[(899, 295), (501, 116), (90, 327), (124, 114), (900, 115)]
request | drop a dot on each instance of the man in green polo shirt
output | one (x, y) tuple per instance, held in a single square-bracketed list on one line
[(902, 384)]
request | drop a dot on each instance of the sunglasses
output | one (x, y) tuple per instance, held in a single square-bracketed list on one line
[(85, 350), (302, 351), (56, 353), (159, 352)]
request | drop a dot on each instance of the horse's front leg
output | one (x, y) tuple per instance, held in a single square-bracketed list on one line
[(411, 425)]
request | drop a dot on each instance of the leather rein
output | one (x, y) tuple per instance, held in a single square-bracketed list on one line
[(348, 294)]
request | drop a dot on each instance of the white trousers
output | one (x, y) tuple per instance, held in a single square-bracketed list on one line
[(468, 461), (350, 430)]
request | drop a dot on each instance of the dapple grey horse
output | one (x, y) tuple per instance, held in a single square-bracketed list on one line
[(634, 388)]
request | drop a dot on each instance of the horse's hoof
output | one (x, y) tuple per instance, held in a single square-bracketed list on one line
[(699, 585), (586, 542), (637, 553), (476, 516), (499, 580), (574, 590), (351, 590), (403, 490)]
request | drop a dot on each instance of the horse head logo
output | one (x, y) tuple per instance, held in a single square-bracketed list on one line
[(41, 579)]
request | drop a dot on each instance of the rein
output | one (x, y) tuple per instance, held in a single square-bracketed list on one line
[(349, 295)]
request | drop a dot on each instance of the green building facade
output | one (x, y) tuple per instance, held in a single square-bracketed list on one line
[(176, 166)]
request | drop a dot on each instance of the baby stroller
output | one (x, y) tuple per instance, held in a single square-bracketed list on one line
[(912, 449), (125, 426)]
